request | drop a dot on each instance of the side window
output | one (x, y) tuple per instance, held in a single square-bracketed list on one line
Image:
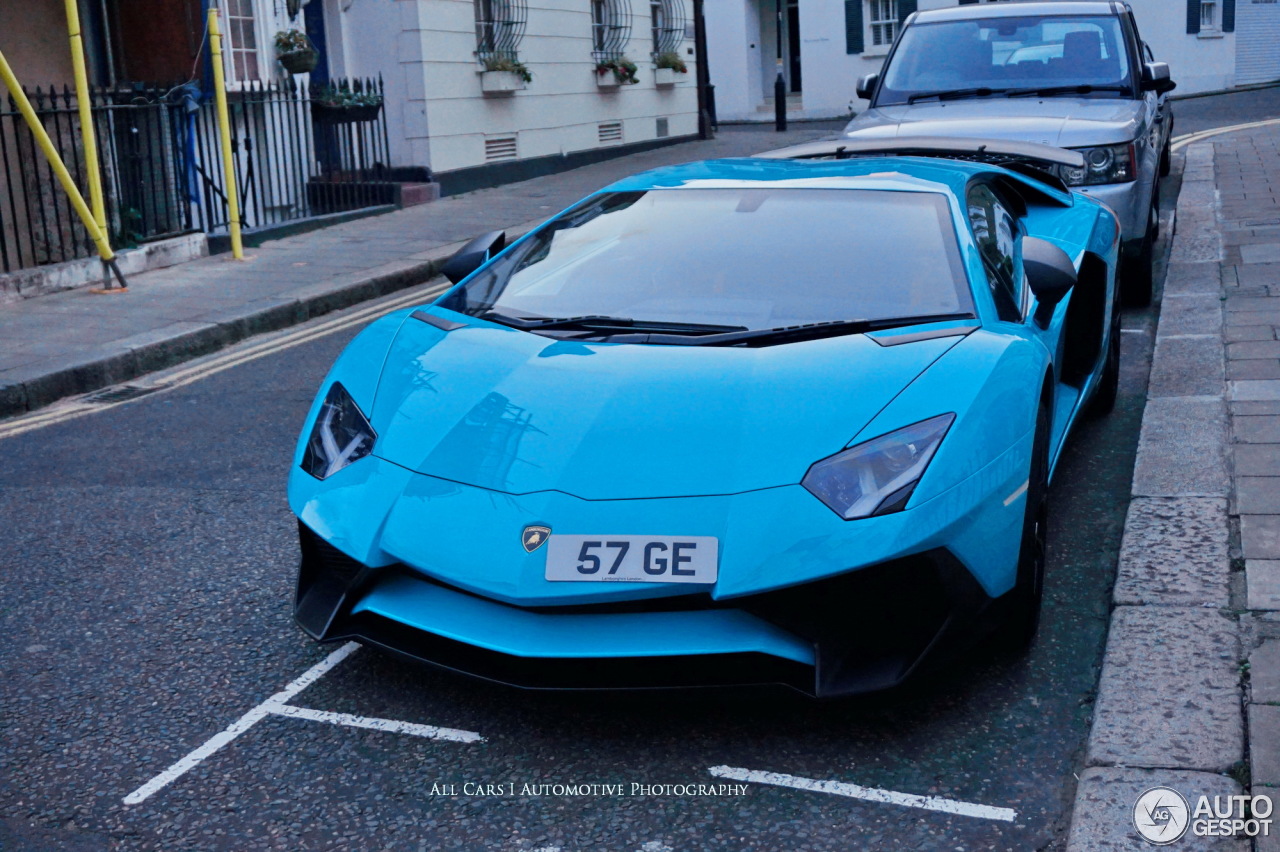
[(994, 230)]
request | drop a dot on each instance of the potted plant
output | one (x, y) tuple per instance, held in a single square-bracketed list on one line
[(296, 52), (344, 105), (503, 73), (611, 73), (667, 65)]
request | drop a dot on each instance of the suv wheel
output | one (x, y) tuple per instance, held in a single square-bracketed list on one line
[(1138, 272)]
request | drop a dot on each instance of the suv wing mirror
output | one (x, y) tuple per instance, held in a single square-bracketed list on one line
[(1155, 78), (473, 255), (867, 86)]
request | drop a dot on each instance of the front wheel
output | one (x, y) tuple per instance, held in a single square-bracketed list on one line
[(1024, 601), (1138, 282)]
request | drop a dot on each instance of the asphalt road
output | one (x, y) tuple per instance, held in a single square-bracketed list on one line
[(148, 564)]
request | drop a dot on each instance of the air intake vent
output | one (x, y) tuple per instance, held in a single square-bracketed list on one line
[(664, 127), (500, 148), (610, 132)]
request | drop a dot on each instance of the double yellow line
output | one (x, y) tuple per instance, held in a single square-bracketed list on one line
[(173, 379), (1186, 139)]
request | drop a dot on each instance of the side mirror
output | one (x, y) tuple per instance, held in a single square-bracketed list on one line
[(867, 86), (1050, 273), (1155, 78), (473, 255)]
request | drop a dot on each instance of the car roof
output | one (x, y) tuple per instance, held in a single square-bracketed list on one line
[(1018, 10)]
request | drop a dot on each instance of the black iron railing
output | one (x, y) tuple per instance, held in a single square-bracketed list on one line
[(298, 152)]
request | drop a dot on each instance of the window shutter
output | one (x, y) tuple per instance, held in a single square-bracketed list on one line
[(852, 26), (1228, 16), (905, 8), (1193, 17)]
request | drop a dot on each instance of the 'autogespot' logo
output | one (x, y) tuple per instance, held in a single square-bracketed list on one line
[(1161, 815)]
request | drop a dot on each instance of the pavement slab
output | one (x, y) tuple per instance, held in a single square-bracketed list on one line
[(1180, 451), (1169, 694), (1105, 799), (1174, 553)]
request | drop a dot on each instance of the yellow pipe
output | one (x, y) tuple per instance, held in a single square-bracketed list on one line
[(55, 162), (90, 141), (224, 127)]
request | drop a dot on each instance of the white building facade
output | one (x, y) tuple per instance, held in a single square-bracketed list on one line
[(826, 45), (432, 55)]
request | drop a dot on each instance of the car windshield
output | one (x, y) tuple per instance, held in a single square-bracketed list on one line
[(748, 258), (991, 57)]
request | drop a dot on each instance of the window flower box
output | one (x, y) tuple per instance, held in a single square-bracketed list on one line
[(665, 76)]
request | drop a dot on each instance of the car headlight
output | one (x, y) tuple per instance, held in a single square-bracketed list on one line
[(878, 476), (1103, 164), (340, 436)]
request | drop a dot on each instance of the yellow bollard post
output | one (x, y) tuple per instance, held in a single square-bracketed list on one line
[(98, 236), (90, 141), (224, 127)]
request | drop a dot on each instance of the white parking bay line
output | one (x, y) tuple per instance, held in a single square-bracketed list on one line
[(389, 725), (866, 794), (276, 705)]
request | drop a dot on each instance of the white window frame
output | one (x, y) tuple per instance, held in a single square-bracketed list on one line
[(880, 26), (265, 48), (1210, 17)]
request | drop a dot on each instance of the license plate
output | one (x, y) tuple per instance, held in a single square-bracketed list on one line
[(632, 558)]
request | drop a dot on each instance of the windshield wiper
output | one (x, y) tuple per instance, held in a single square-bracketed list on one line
[(605, 322), (955, 94), (1079, 89), (810, 330)]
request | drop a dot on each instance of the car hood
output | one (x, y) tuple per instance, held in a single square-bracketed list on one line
[(516, 412), (1064, 122)]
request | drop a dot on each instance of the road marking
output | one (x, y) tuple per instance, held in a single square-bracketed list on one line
[(866, 794), (1186, 139), (1133, 331), (391, 726), (278, 705), (240, 354)]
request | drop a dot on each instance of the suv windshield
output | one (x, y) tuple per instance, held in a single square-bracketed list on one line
[(1072, 55), (743, 258)]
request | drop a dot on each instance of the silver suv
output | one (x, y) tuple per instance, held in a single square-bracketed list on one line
[(1072, 74)]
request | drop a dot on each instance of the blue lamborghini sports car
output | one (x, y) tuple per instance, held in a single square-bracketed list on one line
[(786, 419)]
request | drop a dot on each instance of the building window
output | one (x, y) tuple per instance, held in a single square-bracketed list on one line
[(242, 40), (667, 23), (500, 25), (1209, 20), (882, 22), (610, 29)]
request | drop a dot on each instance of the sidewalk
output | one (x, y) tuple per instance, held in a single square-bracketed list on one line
[(1189, 695), (74, 342)]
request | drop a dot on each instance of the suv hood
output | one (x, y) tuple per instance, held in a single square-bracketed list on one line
[(515, 412), (1064, 122)]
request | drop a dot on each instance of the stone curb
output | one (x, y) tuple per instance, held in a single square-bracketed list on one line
[(149, 351), (1169, 704)]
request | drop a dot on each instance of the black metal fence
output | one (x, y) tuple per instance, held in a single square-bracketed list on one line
[(298, 152)]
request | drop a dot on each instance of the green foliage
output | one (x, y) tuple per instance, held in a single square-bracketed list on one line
[(292, 41), (622, 68), (671, 60), (332, 96), (499, 62)]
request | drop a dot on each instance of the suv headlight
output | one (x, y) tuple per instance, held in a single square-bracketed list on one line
[(340, 436), (1103, 164), (878, 476)]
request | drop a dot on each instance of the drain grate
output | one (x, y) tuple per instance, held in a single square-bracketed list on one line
[(124, 393)]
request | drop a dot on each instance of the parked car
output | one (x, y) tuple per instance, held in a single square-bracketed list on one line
[(1072, 74), (771, 420)]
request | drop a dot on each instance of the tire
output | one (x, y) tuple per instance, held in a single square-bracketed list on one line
[(1166, 158), (1022, 603), (1138, 282), (1104, 396)]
